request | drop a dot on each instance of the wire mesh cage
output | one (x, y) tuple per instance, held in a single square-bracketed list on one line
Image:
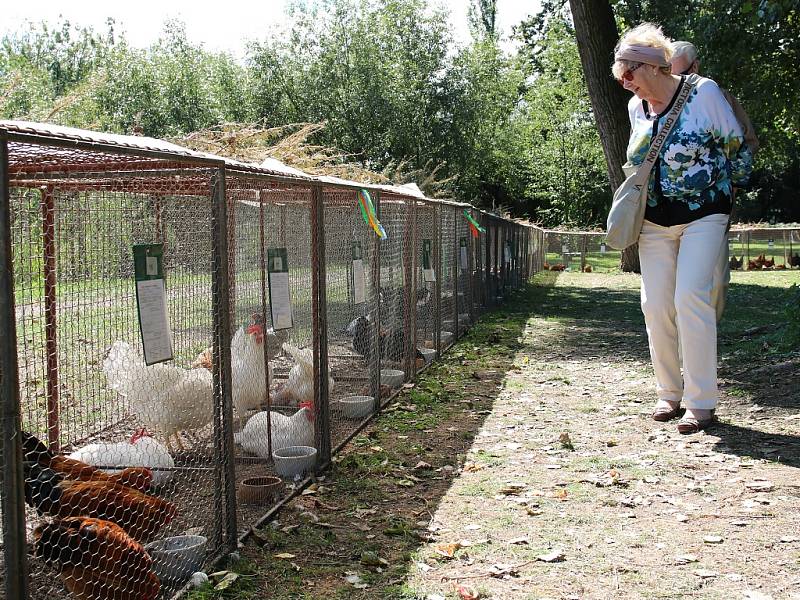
[(579, 251), (107, 468), (447, 276), (182, 329), (764, 249), (355, 339), (425, 274), (396, 290), (463, 268)]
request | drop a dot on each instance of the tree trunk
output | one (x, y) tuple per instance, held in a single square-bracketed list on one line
[(596, 34)]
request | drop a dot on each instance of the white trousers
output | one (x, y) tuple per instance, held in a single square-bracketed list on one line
[(678, 265)]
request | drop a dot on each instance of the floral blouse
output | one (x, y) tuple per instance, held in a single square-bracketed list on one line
[(701, 160)]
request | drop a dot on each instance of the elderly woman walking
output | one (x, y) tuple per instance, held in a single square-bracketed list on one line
[(687, 212)]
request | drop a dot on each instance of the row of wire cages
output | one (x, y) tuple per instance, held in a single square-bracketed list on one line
[(188, 339), (751, 249), (764, 249)]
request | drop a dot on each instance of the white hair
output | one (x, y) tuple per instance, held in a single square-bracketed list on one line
[(645, 34), (684, 49)]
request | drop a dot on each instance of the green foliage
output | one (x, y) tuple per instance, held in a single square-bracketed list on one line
[(397, 95), (568, 182)]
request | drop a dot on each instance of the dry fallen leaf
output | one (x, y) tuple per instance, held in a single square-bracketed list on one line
[(712, 539), (472, 467), (447, 550), (371, 559), (227, 581), (513, 489), (760, 485), (503, 570), (519, 541), (555, 556), (685, 559), (284, 555), (704, 573), (467, 593)]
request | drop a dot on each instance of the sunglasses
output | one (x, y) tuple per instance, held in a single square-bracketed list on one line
[(628, 75)]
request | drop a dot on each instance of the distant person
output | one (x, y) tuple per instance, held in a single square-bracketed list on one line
[(685, 62), (688, 206)]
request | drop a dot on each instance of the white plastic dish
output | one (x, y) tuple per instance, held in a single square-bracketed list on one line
[(176, 558), (392, 377), (294, 460), (446, 337), (428, 354), (356, 407)]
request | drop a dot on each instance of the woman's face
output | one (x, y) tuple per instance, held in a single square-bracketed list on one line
[(639, 79)]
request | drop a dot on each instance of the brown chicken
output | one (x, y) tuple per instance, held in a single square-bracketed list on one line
[(140, 514), (736, 263), (97, 560), (587, 268), (34, 450), (794, 261), (558, 267)]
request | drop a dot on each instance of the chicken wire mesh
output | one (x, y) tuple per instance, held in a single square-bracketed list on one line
[(463, 270), (87, 399), (355, 336), (579, 251), (272, 361), (124, 459), (764, 249), (425, 285), (397, 289)]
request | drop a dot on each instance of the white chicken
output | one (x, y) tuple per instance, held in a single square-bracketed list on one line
[(247, 367), (165, 398), (299, 386), (141, 451), (297, 430)]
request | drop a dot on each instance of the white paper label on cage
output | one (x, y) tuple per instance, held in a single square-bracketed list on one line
[(770, 243), (507, 254), (564, 248), (280, 302), (277, 263), (602, 248), (151, 266), (154, 320), (464, 265), (359, 282), (428, 275)]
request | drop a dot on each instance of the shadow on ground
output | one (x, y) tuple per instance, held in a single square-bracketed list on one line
[(370, 512), (369, 515)]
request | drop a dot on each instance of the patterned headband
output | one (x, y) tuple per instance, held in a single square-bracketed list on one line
[(642, 54)]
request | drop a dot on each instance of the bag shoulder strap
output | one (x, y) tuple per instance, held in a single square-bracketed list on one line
[(672, 117)]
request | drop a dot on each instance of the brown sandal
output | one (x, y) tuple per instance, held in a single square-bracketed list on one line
[(689, 425), (663, 413)]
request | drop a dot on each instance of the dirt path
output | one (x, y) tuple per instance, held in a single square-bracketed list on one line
[(526, 467)]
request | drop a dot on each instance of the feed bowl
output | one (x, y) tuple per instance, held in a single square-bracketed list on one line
[(259, 490), (428, 354), (294, 460), (176, 558), (356, 407), (447, 337), (392, 377)]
